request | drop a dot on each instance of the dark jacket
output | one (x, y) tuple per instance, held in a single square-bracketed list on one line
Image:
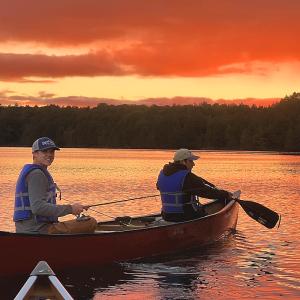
[(193, 185)]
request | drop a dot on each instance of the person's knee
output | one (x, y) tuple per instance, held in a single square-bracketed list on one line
[(86, 225), (93, 224)]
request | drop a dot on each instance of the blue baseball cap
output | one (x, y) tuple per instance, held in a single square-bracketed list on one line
[(43, 143)]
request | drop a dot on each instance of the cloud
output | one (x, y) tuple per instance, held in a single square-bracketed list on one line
[(4, 93), (189, 38), (20, 66), (44, 94)]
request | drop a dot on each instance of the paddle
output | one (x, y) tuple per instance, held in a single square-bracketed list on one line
[(259, 213)]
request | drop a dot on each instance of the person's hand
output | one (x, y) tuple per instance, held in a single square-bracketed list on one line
[(77, 208), (225, 195), (236, 194), (230, 195)]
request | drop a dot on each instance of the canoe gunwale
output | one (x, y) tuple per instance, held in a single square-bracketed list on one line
[(140, 228)]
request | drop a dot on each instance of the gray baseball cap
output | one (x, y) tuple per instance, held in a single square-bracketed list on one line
[(183, 154), (43, 143)]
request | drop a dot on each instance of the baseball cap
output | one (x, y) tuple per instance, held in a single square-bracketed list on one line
[(43, 143), (182, 154)]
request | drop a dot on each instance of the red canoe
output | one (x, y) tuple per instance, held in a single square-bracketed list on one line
[(115, 241)]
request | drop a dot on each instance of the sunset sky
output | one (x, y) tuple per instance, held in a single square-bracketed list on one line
[(133, 49)]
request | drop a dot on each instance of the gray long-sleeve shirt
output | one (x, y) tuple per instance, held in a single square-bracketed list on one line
[(38, 186)]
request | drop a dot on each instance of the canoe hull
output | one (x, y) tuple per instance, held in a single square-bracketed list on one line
[(69, 251)]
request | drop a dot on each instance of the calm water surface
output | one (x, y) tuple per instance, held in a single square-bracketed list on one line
[(254, 262)]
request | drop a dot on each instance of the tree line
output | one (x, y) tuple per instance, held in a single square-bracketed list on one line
[(205, 126)]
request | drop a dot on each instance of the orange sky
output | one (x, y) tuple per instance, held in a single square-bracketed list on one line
[(133, 49)]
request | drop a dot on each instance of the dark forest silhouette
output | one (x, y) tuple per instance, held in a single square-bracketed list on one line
[(205, 126)]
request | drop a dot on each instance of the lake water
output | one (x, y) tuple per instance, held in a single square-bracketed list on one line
[(255, 262)]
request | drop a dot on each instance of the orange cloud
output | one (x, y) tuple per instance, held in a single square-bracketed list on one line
[(149, 38), (19, 66)]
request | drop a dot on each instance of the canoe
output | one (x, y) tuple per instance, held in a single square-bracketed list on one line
[(123, 239), (43, 284)]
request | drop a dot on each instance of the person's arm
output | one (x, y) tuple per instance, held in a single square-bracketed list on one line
[(37, 189), (206, 182), (198, 186)]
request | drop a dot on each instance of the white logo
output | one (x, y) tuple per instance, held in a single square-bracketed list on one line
[(47, 143)]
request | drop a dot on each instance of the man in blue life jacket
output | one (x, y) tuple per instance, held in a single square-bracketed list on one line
[(179, 189), (35, 208)]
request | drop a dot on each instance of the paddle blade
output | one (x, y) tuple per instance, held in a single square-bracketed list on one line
[(259, 213)]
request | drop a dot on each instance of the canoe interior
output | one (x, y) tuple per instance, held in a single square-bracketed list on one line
[(127, 223), (43, 289)]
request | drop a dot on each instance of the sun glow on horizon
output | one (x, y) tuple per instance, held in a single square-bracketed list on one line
[(232, 86)]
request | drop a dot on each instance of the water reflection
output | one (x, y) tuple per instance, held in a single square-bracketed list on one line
[(10, 286), (255, 262), (85, 283), (183, 276), (82, 284)]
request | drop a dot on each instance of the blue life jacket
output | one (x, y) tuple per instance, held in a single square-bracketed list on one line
[(22, 210), (170, 188)]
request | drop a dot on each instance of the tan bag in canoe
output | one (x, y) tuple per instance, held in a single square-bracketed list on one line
[(83, 225)]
